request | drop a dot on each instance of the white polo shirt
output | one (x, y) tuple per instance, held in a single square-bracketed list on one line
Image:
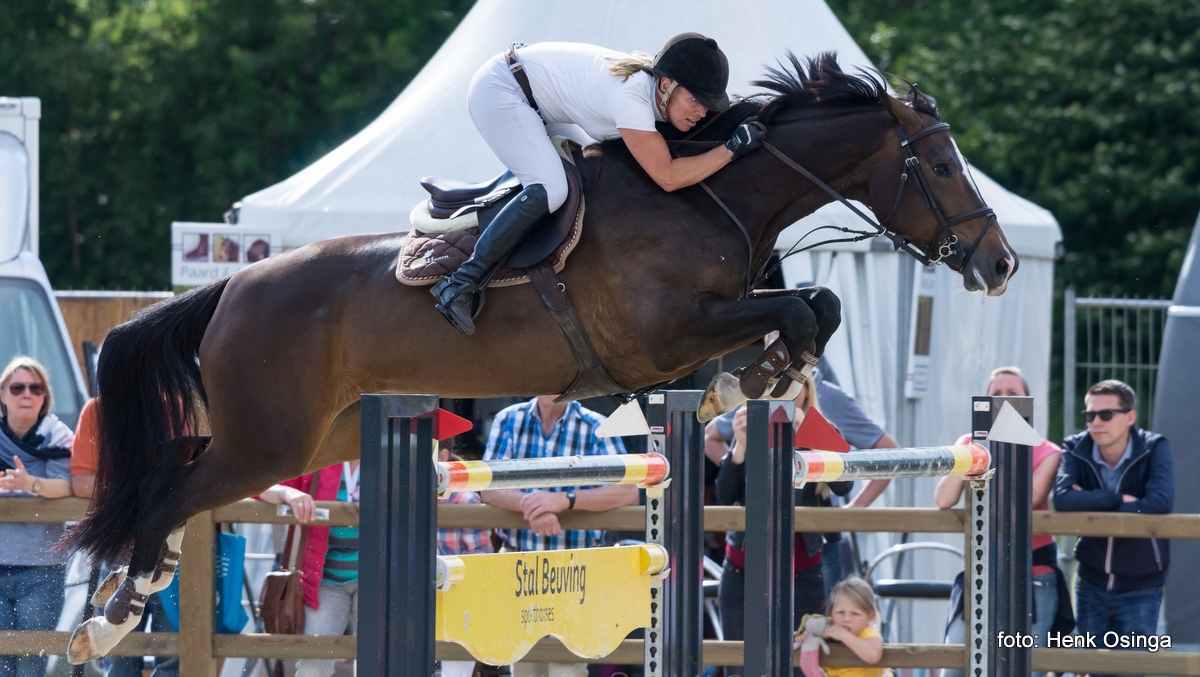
[(573, 85)]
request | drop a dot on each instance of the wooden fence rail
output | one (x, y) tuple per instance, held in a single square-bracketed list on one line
[(201, 650)]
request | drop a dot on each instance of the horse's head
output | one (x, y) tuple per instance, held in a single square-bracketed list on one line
[(903, 165), (938, 207)]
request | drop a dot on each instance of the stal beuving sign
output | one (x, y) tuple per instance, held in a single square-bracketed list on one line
[(499, 606), (206, 252)]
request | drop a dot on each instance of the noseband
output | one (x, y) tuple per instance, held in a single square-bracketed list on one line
[(943, 245), (943, 242)]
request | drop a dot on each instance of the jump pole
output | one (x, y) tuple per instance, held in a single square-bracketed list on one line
[(544, 473)]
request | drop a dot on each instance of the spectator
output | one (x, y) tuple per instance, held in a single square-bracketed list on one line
[(1117, 467), (1050, 594), (329, 565), (35, 450), (808, 586), (855, 426), (84, 464), (853, 615), (540, 428), (460, 542)]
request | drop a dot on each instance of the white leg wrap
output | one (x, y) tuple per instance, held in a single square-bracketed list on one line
[(96, 636), (792, 393), (169, 562)]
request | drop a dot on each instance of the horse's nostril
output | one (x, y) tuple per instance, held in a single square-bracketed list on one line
[(1002, 268)]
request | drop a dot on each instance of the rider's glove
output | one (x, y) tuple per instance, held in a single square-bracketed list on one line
[(747, 137)]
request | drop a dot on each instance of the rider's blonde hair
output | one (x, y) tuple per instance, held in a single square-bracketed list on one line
[(637, 62)]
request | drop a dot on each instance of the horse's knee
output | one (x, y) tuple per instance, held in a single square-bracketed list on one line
[(827, 311), (799, 326), (826, 306)]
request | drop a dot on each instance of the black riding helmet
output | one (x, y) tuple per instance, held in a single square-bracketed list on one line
[(698, 65)]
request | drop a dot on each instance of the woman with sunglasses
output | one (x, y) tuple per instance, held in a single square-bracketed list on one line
[(35, 457), (1049, 586)]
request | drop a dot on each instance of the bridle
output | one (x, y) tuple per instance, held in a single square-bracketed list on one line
[(943, 246)]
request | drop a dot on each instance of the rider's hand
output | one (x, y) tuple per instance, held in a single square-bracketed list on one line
[(747, 137)]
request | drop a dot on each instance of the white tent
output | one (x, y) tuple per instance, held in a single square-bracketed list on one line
[(370, 183)]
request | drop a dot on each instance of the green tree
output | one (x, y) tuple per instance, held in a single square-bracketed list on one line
[(1090, 109), (169, 110)]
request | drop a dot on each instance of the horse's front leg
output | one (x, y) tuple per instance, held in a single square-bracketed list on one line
[(805, 318), (791, 350)]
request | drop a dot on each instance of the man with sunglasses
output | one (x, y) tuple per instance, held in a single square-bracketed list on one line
[(1116, 466)]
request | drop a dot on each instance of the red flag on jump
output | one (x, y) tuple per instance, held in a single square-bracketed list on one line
[(449, 425), (816, 433)]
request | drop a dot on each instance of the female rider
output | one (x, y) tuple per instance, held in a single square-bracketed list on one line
[(608, 94)]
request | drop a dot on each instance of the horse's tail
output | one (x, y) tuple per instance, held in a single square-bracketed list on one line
[(149, 384)]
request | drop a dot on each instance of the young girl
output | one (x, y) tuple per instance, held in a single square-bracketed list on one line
[(852, 608)]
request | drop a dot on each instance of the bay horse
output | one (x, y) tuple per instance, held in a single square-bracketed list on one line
[(278, 355)]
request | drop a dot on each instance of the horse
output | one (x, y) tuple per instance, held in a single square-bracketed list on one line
[(277, 355)]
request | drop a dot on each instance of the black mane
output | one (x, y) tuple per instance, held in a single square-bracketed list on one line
[(823, 81), (820, 81)]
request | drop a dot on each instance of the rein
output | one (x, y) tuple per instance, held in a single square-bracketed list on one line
[(943, 245)]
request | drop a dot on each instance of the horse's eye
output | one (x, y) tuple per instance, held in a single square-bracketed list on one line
[(941, 169)]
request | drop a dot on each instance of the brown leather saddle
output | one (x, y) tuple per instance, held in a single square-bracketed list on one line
[(426, 257)]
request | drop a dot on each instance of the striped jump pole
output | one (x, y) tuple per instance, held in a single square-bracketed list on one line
[(543, 473), (874, 464)]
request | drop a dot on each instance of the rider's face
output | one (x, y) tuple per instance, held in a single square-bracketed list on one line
[(683, 110)]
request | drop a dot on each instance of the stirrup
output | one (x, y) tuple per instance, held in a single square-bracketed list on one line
[(478, 292)]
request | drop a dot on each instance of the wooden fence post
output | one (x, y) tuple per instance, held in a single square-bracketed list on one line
[(197, 598)]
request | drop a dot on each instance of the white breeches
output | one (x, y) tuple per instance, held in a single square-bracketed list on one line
[(514, 131)]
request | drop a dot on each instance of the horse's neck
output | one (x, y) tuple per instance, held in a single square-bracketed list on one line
[(843, 151)]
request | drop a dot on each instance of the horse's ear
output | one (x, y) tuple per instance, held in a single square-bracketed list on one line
[(899, 109), (923, 103)]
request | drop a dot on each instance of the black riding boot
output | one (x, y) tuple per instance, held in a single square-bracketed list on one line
[(457, 292)]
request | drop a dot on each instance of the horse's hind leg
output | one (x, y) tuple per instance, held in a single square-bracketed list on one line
[(123, 610), (214, 479), (164, 573)]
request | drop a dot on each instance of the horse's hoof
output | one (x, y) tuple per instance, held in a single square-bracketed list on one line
[(108, 586), (722, 395), (81, 648)]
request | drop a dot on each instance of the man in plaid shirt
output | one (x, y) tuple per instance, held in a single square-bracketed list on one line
[(540, 428)]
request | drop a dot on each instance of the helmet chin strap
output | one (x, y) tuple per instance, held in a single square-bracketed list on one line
[(664, 98)]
